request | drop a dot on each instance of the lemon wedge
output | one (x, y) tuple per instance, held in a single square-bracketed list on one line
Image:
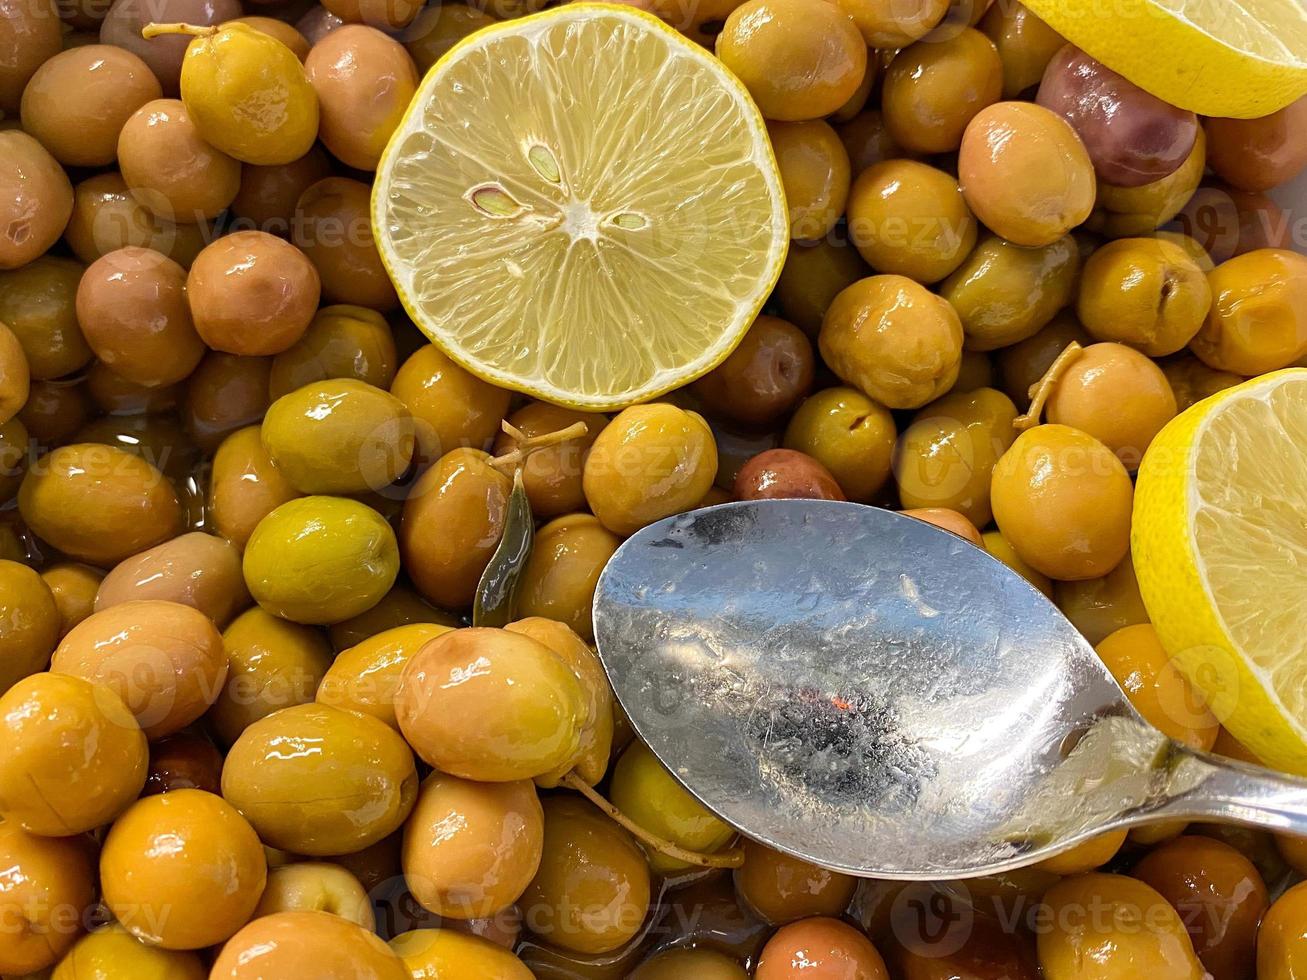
[(1214, 57), (582, 205), (1220, 549)]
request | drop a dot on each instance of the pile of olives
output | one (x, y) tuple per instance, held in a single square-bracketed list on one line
[(296, 665)]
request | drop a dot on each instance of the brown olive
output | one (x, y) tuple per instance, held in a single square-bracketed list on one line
[(30, 34), (197, 570), (225, 393), (1025, 173), (183, 761), (1133, 138), (814, 169), (279, 29), (1220, 897), (38, 302), (170, 168), (452, 407), (1259, 154), (55, 412), (364, 81), (825, 947), (781, 889), (934, 88), (115, 395), (81, 130), (786, 473), (762, 379), (252, 294), (948, 520), (333, 228), (386, 15), (98, 503), (560, 576), (106, 216), (245, 485), (131, 305), (552, 474), (268, 195), (452, 523), (436, 29), (122, 27)]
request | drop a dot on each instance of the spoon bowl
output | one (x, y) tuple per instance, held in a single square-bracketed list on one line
[(877, 696)]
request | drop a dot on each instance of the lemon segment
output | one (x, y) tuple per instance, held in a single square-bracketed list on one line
[(1220, 549), (1214, 57), (582, 205)]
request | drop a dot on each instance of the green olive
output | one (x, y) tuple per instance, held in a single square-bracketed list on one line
[(341, 342), (401, 606), (13, 457), (946, 457), (1123, 211), (849, 434), (1005, 293), (647, 793), (320, 560), (531, 709), (317, 780), (339, 436)]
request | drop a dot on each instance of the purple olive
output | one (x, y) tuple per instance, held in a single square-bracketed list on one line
[(1133, 138)]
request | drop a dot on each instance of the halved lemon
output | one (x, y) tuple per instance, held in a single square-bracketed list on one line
[(1214, 57), (1220, 550), (582, 205)]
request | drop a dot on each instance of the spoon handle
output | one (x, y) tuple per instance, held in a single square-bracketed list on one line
[(1207, 786)]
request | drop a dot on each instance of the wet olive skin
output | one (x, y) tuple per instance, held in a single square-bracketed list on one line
[(1156, 687), (106, 216), (225, 393), (563, 569), (183, 761), (849, 434), (470, 849), (1137, 933), (333, 228), (1258, 154), (73, 587), (1256, 322), (30, 35), (780, 474), (165, 660), (291, 943), (762, 379), (268, 195), (1281, 946), (122, 27), (552, 474), (319, 780), (196, 569), (113, 952), (37, 199), (77, 744), (45, 878), (365, 677), (38, 303), (189, 852), (341, 342), (452, 407), (825, 946), (29, 623), (171, 169), (589, 863), (98, 504), (452, 523), (320, 559), (933, 89), (245, 485), (15, 375), (782, 889), (272, 664), (814, 274), (430, 954), (1219, 894)]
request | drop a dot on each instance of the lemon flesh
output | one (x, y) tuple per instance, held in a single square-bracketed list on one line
[(1214, 57), (582, 205), (1220, 549)]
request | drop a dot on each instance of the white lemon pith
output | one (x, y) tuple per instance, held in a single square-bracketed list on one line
[(1220, 548), (1214, 57), (582, 205)]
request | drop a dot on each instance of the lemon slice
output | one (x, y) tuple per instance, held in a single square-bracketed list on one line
[(1214, 57), (1220, 550), (582, 205)]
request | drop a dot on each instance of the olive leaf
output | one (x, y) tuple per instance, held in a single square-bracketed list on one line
[(496, 596)]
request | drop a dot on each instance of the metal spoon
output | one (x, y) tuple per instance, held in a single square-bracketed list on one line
[(878, 696)]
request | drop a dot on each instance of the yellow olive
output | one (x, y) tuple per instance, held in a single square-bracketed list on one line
[(38, 302), (365, 677), (401, 606), (1107, 926), (29, 623), (249, 95), (318, 780), (1256, 323), (320, 560), (650, 462), (1000, 548), (814, 169), (273, 664), (1005, 294), (98, 503), (182, 870), (341, 342), (591, 760), (1092, 854), (814, 274), (1063, 500), (592, 892), (339, 436), (452, 407), (530, 706), (245, 485), (75, 757), (453, 520), (849, 434), (933, 89), (1145, 292), (470, 849), (1025, 44), (702, 964), (1281, 945), (647, 793), (433, 954), (317, 886), (946, 457), (1156, 687), (306, 943), (893, 340), (1099, 606), (73, 587), (113, 953), (47, 887), (560, 576)]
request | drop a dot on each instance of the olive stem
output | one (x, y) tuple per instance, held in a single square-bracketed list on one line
[(525, 445), (1042, 389), (150, 31), (727, 859)]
